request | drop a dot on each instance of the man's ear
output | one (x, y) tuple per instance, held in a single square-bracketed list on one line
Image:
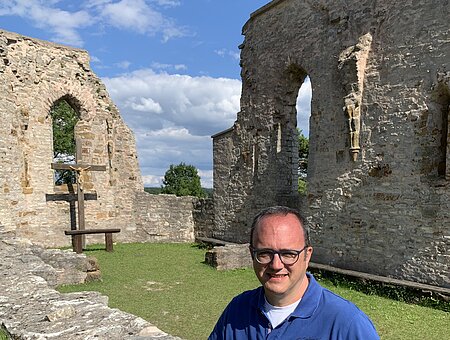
[(309, 252)]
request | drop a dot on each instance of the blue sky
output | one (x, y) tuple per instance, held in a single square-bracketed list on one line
[(171, 67)]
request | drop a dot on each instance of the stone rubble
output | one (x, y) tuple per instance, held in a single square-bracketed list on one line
[(230, 256), (31, 308)]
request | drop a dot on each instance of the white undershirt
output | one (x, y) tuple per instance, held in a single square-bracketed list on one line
[(277, 315)]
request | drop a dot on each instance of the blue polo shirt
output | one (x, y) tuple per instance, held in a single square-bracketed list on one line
[(321, 314)]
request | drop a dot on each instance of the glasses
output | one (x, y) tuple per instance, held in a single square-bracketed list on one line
[(288, 256)]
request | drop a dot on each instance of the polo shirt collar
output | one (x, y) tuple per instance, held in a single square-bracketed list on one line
[(308, 303), (310, 300)]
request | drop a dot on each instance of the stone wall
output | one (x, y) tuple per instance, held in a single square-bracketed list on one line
[(163, 218), (379, 165), (203, 214), (34, 76), (30, 307)]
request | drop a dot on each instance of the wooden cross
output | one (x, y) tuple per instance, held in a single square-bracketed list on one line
[(80, 168)]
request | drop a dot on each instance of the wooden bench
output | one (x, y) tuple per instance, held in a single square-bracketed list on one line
[(77, 238)]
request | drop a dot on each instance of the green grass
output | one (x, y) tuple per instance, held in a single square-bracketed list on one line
[(171, 287), (3, 334)]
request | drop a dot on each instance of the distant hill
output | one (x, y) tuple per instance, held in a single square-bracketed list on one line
[(151, 190), (157, 191)]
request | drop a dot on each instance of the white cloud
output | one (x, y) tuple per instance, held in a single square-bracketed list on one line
[(123, 64), (132, 15), (203, 105), (173, 117), (224, 52), (94, 59), (137, 15), (304, 106), (162, 66), (206, 177), (180, 67), (146, 105), (159, 149), (152, 181), (63, 24), (168, 3)]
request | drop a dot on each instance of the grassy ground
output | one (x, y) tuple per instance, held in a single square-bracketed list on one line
[(3, 334), (168, 285)]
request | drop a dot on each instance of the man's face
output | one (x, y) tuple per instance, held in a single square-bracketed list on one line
[(283, 284)]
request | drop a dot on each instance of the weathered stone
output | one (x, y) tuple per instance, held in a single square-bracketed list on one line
[(61, 314), (203, 214), (230, 256), (32, 81), (93, 276), (31, 309), (29, 88), (379, 161)]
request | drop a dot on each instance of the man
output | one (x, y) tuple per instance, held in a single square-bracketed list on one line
[(290, 304)]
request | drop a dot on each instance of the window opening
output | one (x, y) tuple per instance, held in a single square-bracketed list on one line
[(64, 119), (303, 108), (279, 138)]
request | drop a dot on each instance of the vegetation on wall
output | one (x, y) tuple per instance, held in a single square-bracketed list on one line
[(64, 119), (3, 334), (182, 180)]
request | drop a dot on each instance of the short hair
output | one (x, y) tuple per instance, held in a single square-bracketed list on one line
[(279, 210)]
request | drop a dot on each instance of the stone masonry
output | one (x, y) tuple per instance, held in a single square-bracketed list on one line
[(36, 74), (378, 196), (30, 307)]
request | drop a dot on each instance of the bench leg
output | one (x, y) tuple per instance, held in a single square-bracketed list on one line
[(108, 241), (77, 241)]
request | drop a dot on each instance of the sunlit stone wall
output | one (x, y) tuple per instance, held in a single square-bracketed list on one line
[(378, 196)]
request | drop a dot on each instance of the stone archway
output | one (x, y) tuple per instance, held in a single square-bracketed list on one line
[(374, 198), (30, 86)]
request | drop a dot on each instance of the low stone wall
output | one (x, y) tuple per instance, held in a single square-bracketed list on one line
[(168, 218), (30, 307)]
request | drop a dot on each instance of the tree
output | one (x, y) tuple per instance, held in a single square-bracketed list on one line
[(182, 180), (303, 151), (64, 119)]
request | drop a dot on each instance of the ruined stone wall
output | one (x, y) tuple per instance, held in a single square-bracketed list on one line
[(168, 218), (31, 308), (379, 166), (203, 215), (164, 218), (34, 75)]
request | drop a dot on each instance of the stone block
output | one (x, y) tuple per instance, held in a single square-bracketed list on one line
[(233, 256)]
